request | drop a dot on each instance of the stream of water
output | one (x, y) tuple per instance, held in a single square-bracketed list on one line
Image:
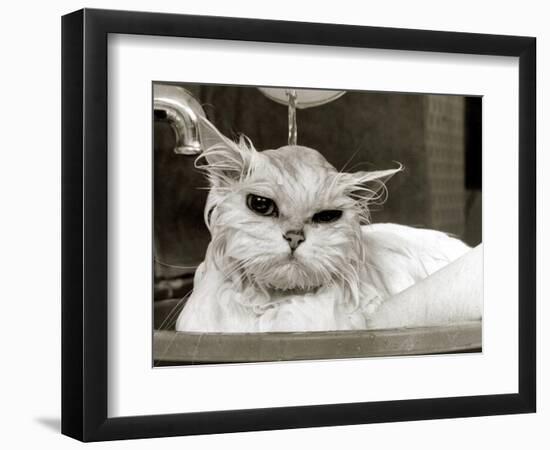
[(292, 126)]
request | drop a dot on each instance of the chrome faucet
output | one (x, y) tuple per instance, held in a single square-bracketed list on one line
[(176, 105)]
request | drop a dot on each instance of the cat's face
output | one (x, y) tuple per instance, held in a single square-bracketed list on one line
[(285, 219)]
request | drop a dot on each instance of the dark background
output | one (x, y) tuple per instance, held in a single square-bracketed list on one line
[(436, 137)]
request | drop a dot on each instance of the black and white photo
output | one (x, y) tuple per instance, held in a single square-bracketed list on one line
[(315, 221)]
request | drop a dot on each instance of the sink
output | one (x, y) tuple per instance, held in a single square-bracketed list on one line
[(179, 348)]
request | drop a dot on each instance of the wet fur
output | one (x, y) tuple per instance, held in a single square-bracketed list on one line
[(251, 282)]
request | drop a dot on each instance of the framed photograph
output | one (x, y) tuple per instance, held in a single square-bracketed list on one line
[(273, 224)]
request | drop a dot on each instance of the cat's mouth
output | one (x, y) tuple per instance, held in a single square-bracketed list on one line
[(288, 276)]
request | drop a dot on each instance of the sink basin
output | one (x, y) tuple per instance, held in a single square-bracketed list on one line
[(179, 348)]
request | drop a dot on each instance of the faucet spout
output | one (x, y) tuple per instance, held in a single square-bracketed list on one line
[(182, 111)]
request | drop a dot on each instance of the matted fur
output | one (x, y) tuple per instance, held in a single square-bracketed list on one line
[(250, 280)]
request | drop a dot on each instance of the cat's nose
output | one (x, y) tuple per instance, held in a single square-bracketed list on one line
[(294, 238)]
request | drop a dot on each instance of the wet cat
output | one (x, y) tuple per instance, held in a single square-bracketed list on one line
[(292, 248)]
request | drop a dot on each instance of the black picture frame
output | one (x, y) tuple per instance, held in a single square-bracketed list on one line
[(84, 224)]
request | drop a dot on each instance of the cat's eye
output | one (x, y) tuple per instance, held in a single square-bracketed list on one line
[(327, 216), (261, 205)]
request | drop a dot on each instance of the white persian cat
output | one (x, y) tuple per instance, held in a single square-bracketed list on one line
[(292, 249)]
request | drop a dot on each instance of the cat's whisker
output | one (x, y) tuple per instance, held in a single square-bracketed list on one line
[(174, 266), (349, 160), (359, 164), (168, 320), (237, 270), (240, 269)]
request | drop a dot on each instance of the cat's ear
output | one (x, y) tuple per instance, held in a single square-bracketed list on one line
[(225, 161), (370, 187)]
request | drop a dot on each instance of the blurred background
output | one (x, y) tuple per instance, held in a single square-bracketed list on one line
[(436, 137)]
